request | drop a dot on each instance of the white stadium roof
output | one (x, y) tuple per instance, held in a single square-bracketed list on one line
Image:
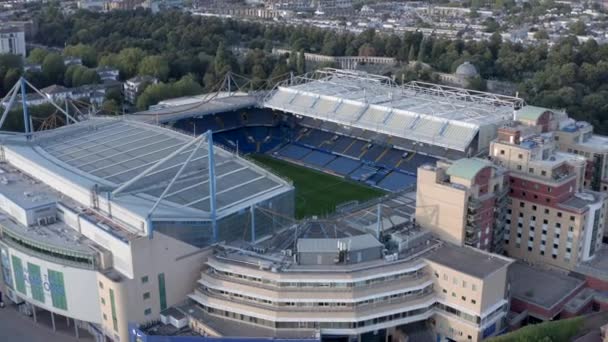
[(442, 116), (147, 167)]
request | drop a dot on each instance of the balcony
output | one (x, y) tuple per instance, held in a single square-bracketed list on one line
[(471, 238)]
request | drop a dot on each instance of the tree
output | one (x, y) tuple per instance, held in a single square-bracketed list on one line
[(37, 56), (156, 66), (301, 63), (541, 35), (367, 50), (491, 25), (11, 77), (578, 28), (53, 68), (222, 62), (128, 61), (110, 107), (87, 53)]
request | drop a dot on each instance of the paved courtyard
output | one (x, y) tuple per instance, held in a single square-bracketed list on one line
[(15, 327)]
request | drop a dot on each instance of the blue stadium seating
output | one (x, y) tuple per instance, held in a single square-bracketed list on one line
[(391, 158), (355, 149), (373, 153), (320, 144), (295, 152), (315, 138), (342, 165), (396, 181), (377, 177), (341, 144), (318, 158), (363, 173), (411, 164)]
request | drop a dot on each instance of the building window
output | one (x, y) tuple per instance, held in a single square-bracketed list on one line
[(529, 249), (445, 291), (502, 151), (531, 170), (533, 218), (103, 301), (519, 167), (146, 295), (464, 299), (473, 301), (100, 285), (113, 306), (543, 173), (545, 221), (105, 317), (571, 218), (453, 294), (558, 225), (162, 293), (144, 279), (473, 287), (542, 252), (148, 312), (559, 214), (546, 211), (520, 156), (521, 204), (534, 208)]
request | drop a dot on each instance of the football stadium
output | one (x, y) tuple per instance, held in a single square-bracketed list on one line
[(358, 127)]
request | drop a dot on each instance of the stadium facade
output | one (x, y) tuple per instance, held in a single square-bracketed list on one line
[(140, 222), (346, 279), (105, 221)]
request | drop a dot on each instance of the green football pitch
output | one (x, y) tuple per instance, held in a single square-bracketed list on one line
[(318, 193)]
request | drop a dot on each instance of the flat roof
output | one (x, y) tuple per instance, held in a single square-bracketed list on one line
[(541, 287), (468, 260), (22, 190), (596, 267), (437, 115), (110, 153), (58, 235), (196, 106), (354, 243)]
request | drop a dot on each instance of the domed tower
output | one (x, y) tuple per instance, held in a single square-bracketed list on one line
[(466, 70)]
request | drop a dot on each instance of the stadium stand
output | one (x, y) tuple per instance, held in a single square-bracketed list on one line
[(396, 181), (343, 166), (318, 158), (294, 152), (379, 160)]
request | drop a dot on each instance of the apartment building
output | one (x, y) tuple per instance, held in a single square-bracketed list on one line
[(133, 87), (553, 220), (464, 202), (577, 137), (12, 39)]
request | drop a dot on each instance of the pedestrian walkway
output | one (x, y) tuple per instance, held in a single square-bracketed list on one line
[(15, 327)]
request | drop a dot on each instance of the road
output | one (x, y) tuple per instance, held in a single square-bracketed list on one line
[(14, 327)]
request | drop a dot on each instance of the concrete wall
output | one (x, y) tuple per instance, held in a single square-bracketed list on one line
[(440, 208)]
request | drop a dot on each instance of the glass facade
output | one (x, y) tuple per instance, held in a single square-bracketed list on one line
[(57, 287), (235, 226), (162, 293), (35, 282), (19, 276)]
